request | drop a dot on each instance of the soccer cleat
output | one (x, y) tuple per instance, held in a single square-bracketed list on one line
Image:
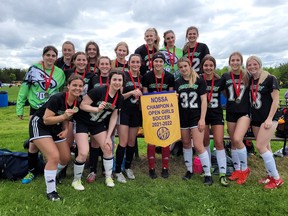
[(120, 177), (91, 177), (235, 175), (208, 180), (243, 176), (274, 183), (152, 174), (53, 196), (165, 173), (28, 178), (129, 173), (223, 181), (77, 185), (265, 180), (109, 182), (187, 176)]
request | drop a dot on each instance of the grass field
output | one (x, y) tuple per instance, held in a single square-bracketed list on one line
[(143, 196)]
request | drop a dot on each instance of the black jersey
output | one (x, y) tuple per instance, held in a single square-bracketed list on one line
[(261, 107), (121, 67), (87, 79), (189, 97), (96, 81), (97, 95), (145, 65), (131, 102), (149, 82), (61, 64), (92, 68), (201, 51), (243, 105)]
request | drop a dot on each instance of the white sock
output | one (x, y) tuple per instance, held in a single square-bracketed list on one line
[(235, 159), (59, 168), (242, 154), (108, 166), (50, 180), (78, 170), (270, 164), (208, 149), (221, 160), (204, 158), (187, 154)]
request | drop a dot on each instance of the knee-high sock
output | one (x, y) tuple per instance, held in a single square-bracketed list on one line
[(120, 152), (33, 162), (93, 159), (108, 166), (78, 170), (270, 164), (235, 159), (60, 167), (129, 156), (204, 158), (222, 161), (151, 156), (187, 154), (208, 149), (242, 154), (165, 157), (50, 180)]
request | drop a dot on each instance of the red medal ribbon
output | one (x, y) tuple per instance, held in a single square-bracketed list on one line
[(254, 92), (100, 79), (132, 79), (47, 82), (123, 68), (66, 101), (209, 94), (237, 88), (94, 68), (171, 57), (83, 75), (107, 94), (192, 57), (162, 81), (149, 59)]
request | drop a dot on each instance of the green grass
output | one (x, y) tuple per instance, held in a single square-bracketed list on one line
[(143, 196)]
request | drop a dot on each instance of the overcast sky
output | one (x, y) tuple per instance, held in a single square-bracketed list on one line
[(258, 27)]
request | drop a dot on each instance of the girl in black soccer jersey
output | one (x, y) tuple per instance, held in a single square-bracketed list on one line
[(214, 115), (194, 50), (98, 116), (65, 62), (235, 83), (158, 81), (130, 118), (264, 95), (120, 62), (146, 51), (93, 52), (192, 110), (48, 130), (104, 67)]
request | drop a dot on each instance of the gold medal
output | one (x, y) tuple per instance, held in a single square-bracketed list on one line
[(46, 95), (238, 101), (75, 109), (209, 105)]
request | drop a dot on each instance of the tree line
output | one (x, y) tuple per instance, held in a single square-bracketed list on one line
[(9, 75)]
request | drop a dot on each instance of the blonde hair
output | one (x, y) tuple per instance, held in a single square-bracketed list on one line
[(263, 74), (122, 43), (157, 41), (186, 46), (193, 75), (245, 75)]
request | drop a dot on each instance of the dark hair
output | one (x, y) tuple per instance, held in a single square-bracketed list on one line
[(210, 58), (48, 48), (75, 77), (117, 72), (164, 35), (134, 54), (97, 49), (78, 53)]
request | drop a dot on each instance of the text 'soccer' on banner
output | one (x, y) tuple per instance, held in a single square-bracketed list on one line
[(160, 118)]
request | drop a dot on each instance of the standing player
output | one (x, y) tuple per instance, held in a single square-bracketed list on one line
[(194, 50), (120, 62), (158, 81), (65, 62), (264, 91), (192, 110), (93, 52)]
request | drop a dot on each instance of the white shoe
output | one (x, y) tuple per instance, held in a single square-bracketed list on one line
[(129, 173), (120, 177), (109, 182), (77, 185)]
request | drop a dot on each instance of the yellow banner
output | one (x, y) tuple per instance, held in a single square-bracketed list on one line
[(160, 118)]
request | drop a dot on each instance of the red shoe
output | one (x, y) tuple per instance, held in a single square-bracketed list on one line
[(243, 176), (265, 180), (235, 175), (274, 183), (91, 177)]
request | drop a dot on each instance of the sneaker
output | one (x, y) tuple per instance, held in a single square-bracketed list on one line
[(28, 178), (187, 176), (53, 196), (165, 173), (223, 181), (235, 175), (109, 182), (91, 177), (129, 173), (265, 180), (243, 176), (77, 185), (208, 180), (120, 177), (152, 174), (273, 183)]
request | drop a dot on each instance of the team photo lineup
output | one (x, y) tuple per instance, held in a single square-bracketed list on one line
[(87, 99)]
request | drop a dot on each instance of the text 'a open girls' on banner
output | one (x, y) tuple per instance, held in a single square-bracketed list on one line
[(160, 118)]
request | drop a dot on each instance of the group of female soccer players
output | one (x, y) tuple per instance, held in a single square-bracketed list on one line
[(101, 95)]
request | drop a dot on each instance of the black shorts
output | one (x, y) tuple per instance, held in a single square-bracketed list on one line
[(38, 130), (131, 118), (189, 122), (258, 124), (32, 111), (213, 118), (93, 130), (233, 117)]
